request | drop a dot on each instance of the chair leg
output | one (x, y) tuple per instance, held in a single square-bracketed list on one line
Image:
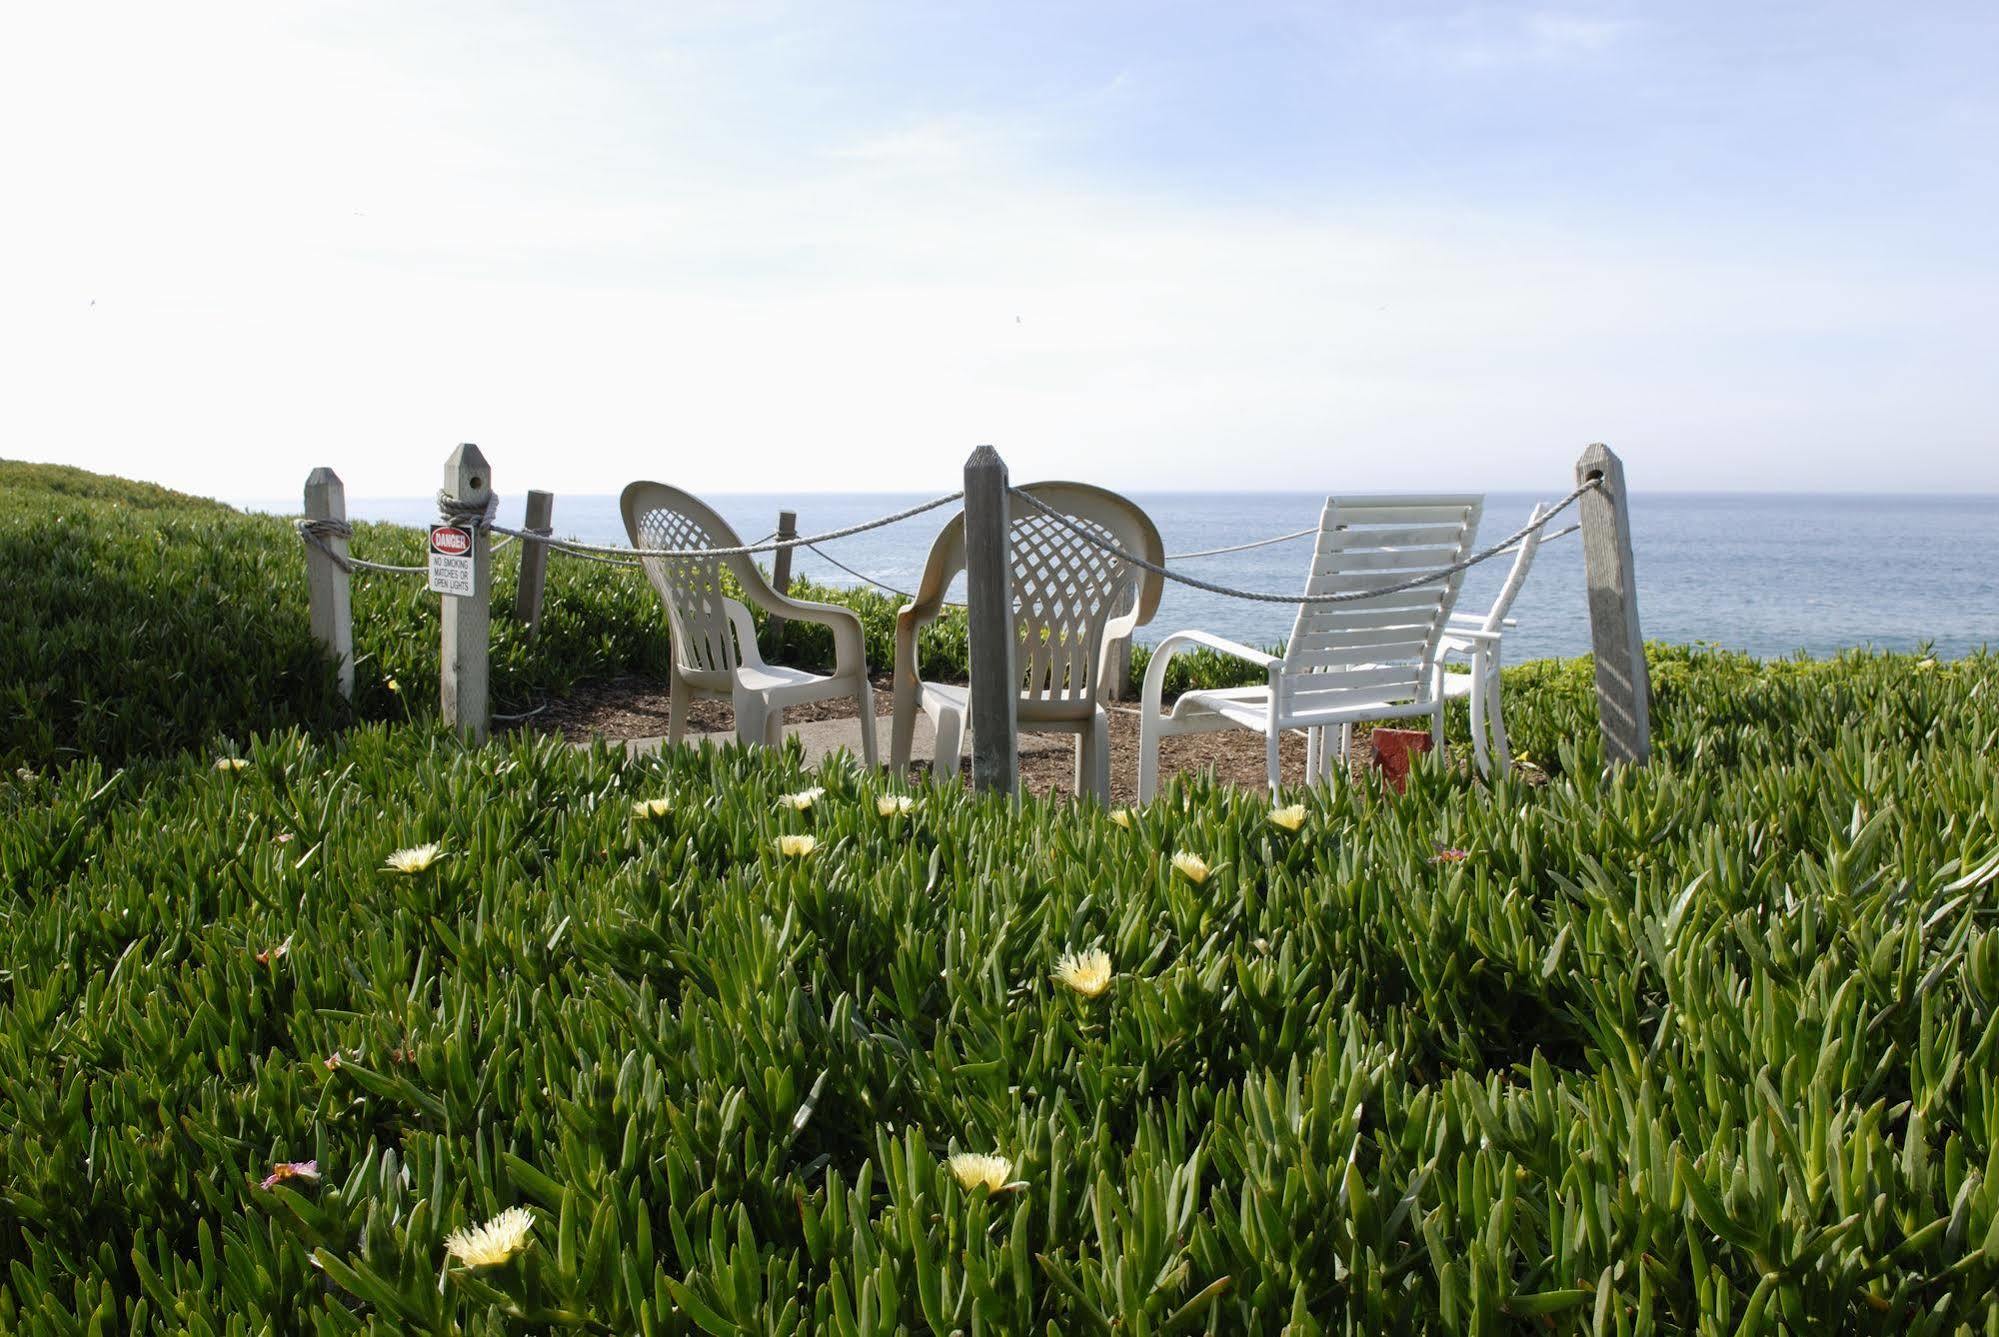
[(902, 727), (870, 745), (750, 720), (1093, 759), (950, 745), (1271, 738), (774, 728), (1315, 742), (1346, 747), (1148, 755), (1496, 722), (677, 695), (1478, 750)]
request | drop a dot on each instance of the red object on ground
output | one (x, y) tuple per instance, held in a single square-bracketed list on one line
[(1393, 749)]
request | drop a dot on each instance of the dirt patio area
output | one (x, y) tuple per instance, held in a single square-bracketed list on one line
[(626, 708)]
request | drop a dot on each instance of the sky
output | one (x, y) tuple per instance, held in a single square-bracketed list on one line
[(766, 245)]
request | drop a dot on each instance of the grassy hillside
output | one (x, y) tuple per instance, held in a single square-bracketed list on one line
[(1715, 1045), (141, 621), (1710, 1047)]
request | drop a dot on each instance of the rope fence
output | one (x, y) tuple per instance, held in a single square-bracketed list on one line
[(467, 500), (1341, 596)]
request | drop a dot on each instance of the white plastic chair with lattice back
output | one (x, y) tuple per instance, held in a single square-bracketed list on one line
[(1476, 636), (715, 650), (1372, 657), (1072, 604)]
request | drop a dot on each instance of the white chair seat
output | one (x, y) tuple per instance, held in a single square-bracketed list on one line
[(1457, 685)]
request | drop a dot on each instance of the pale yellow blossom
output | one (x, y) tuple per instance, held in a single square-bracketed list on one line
[(1290, 819), (413, 860), (230, 763), (987, 1172), (803, 799), (493, 1243), (1122, 816), (1190, 866), (894, 805), (1088, 973), (652, 807), (796, 847)]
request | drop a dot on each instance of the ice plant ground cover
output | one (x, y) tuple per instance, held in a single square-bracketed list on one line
[(105, 575), (1709, 1047)]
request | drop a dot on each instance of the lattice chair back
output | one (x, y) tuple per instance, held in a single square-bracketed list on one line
[(1071, 599), (692, 588), (1067, 590), (1379, 648)]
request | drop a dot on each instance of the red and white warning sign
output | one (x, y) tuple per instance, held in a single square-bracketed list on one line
[(452, 559)]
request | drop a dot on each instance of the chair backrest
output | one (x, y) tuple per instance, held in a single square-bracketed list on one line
[(692, 588), (1071, 599), (1379, 648), (1523, 559)]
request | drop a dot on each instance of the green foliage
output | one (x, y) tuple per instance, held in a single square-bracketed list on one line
[(1708, 1047), (139, 622)]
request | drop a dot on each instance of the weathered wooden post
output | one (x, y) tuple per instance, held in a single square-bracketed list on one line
[(1118, 672), (989, 617), (328, 583), (534, 560), (780, 576), (1623, 686), (468, 618)]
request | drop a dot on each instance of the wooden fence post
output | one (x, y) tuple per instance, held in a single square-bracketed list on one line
[(534, 561), (1623, 685), (989, 604), (468, 620), (1119, 671), (780, 577), (328, 585)]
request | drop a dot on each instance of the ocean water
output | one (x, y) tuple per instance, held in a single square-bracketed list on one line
[(1769, 574)]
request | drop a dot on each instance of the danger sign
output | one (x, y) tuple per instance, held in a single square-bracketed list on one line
[(453, 562)]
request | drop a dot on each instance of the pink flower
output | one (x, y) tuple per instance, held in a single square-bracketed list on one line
[(283, 1170), (1444, 855)]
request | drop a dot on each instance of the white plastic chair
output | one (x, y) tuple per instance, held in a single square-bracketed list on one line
[(715, 650), (1365, 659), (1477, 636), (1072, 603)]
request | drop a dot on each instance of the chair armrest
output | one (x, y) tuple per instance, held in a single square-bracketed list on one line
[(1162, 654), (1460, 638), (849, 643), (909, 620)]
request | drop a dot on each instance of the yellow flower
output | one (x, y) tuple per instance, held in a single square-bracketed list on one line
[(1191, 866), (1122, 816), (988, 1172), (230, 763), (1088, 973), (652, 807), (796, 847), (894, 805), (1926, 665), (493, 1243), (413, 860), (803, 799), (393, 685), (1290, 818)]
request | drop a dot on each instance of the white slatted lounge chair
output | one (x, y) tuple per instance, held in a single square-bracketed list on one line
[(1477, 636), (1365, 659), (714, 641), (1073, 602)]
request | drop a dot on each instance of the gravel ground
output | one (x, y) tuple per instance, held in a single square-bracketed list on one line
[(635, 707)]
